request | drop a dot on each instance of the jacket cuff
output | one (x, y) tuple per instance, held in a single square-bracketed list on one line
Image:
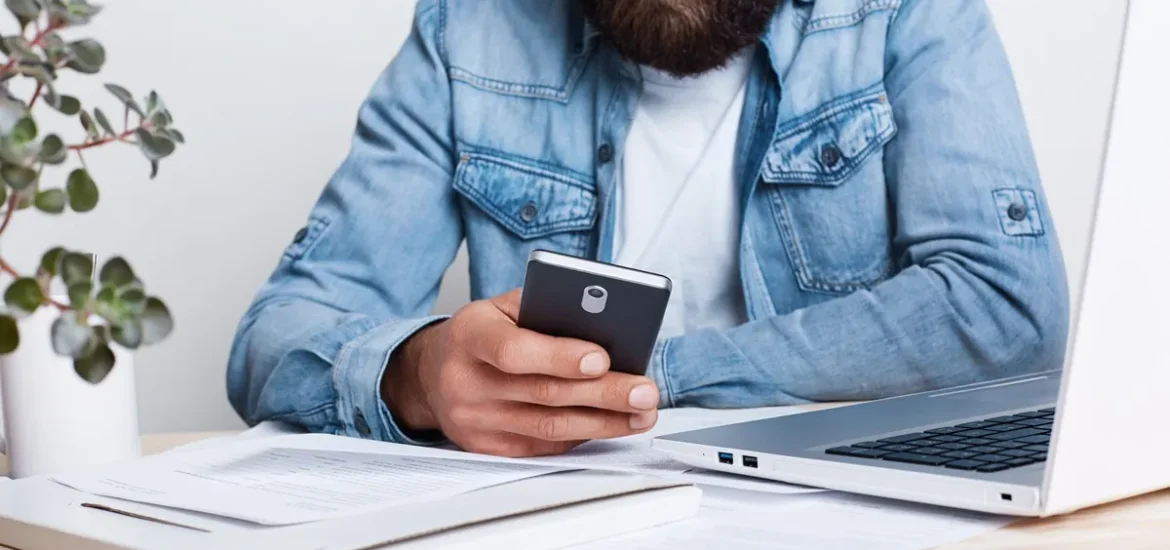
[(357, 377), (657, 372)]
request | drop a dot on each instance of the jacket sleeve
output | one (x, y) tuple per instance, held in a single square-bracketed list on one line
[(981, 291), (363, 274)]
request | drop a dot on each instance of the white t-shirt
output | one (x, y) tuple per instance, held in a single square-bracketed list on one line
[(677, 198)]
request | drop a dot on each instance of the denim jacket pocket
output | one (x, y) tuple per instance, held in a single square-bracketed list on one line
[(306, 237), (529, 201), (826, 180)]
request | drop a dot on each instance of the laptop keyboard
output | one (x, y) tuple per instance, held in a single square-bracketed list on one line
[(989, 445)]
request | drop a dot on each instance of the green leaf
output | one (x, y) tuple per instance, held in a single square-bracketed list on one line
[(50, 259), (128, 334), (25, 130), (3, 194), (24, 295), (25, 10), (134, 299), (125, 97), (104, 122), (25, 197), (154, 147), (116, 273), (11, 113), (175, 135), (18, 47), (83, 192), (70, 337), (96, 366), (53, 150), (76, 267), (17, 177), (51, 201), (67, 104), (9, 335), (90, 126), (152, 102), (156, 322), (160, 120), (79, 294), (87, 57), (153, 169)]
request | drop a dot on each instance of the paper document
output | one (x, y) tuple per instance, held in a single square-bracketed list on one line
[(276, 486), (824, 522)]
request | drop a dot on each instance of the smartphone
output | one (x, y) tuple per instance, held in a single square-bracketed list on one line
[(617, 308)]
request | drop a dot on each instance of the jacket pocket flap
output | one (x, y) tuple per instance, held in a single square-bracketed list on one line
[(828, 146), (529, 200)]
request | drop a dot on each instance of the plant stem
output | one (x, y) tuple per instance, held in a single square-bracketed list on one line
[(36, 95), (8, 214), (81, 158), (36, 41), (109, 139)]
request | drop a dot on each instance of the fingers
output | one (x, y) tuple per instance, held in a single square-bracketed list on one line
[(516, 446), (509, 304), (618, 392), (572, 423), (495, 340)]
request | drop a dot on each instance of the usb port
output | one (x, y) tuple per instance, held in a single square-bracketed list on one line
[(726, 458), (750, 462)]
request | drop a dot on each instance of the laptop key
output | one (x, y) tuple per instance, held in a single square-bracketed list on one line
[(975, 425), (978, 441), (1037, 448), (930, 451), (946, 438), (992, 458), (1019, 461), (1034, 421), (855, 452), (965, 464), (1005, 419), (1040, 457), (975, 433), (1035, 440), (1015, 434), (1016, 453), (944, 430), (1008, 444), (867, 445), (1004, 427), (897, 448), (984, 449), (952, 446), (960, 454), (1033, 414), (903, 438), (914, 458), (994, 467)]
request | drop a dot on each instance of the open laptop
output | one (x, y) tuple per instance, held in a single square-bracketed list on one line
[(1037, 445)]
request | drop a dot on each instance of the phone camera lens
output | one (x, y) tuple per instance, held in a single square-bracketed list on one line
[(596, 292)]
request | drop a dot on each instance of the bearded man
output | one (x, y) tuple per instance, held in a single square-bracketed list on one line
[(843, 192)]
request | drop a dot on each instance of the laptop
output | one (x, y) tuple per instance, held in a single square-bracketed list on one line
[(1042, 444)]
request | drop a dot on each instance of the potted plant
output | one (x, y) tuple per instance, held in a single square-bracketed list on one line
[(67, 327)]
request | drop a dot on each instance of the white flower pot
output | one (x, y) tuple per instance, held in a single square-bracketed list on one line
[(53, 420)]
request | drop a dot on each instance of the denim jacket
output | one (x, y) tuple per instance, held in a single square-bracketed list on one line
[(895, 234)]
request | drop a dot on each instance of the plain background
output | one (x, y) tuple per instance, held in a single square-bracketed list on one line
[(266, 92)]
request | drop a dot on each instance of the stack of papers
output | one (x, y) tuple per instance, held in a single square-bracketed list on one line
[(272, 476)]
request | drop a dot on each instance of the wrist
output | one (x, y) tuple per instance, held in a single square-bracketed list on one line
[(401, 387)]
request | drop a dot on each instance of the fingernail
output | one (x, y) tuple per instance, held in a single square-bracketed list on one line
[(644, 397), (593, 364), (641, 421)]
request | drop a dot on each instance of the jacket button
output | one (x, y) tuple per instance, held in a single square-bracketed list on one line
[(300, 236), (1018, 211), (605, 153), (830, 156), (359, 422), (528, 212)]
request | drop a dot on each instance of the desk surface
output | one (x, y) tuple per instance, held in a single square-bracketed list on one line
[(1141, 522)]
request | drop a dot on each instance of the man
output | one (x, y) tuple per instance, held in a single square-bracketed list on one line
[(843, 192)]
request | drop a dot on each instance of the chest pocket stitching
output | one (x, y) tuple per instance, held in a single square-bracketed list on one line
[(782, 165), (502, 188), (537, 91), (876, 132), (834, 21)]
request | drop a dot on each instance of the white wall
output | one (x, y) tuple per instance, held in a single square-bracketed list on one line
[(266, 92)]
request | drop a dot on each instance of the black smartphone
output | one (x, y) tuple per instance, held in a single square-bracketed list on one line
[(617, 308)]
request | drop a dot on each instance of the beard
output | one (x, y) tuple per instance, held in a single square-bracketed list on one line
[(680, 37)]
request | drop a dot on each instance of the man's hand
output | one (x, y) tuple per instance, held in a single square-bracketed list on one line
[(495, 388)]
